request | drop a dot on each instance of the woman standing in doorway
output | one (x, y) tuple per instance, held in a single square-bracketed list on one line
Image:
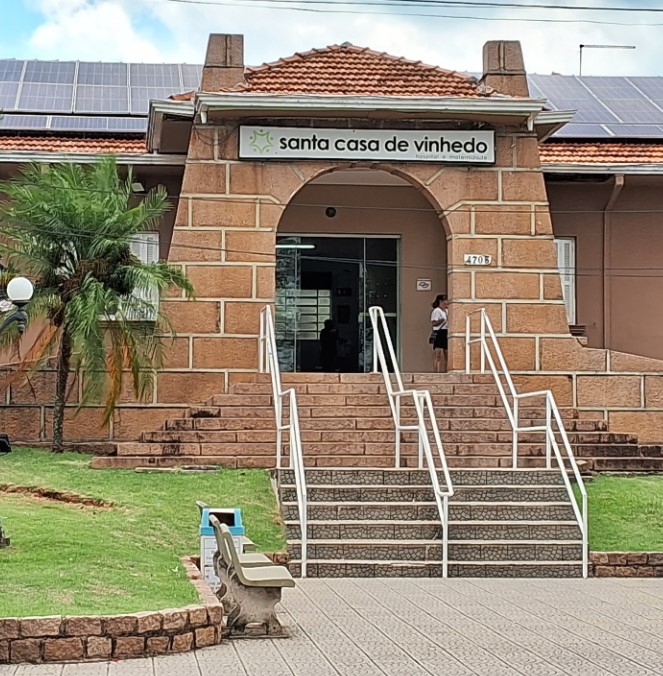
[(439, 320)]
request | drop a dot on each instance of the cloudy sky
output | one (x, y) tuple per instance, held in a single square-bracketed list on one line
[(177, 30)]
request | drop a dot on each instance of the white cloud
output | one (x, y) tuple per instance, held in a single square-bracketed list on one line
[(118, 29), (103, 31)]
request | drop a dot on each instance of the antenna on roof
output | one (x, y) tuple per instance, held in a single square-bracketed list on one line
[(601, 47)]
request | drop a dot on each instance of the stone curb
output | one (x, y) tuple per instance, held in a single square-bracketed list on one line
[(60, 638), (626, 564)]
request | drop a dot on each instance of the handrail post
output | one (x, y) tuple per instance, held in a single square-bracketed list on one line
[(397, 420), (516, 427), (484, 345), (549, 431), (261, 343), (468, 345)]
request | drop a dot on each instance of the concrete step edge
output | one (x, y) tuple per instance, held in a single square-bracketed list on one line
[(420, 486), (436, 541), (424, 522), (493, 503), (421, 564)]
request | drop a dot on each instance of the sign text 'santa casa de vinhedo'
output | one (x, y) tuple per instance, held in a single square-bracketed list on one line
[(477, 147)]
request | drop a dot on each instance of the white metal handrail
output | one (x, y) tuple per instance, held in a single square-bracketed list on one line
[(269, 363), (511, 400), (425, 411)]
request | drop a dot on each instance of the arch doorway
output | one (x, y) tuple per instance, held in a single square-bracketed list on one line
[(348, 240)]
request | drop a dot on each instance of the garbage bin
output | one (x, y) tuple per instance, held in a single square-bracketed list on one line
[(232, 517)]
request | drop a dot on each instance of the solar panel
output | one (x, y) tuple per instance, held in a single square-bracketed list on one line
[(109, 74), (565, 92), (51, 72), (46, 98), (78, 123), (24, 122), (129, 124), (651, 87), (155, 75), (96, 99), (535, 91), (623, 99), (191, 76), (636, 130), (141, 97), (582, 131), (10, 70), (8, 91)]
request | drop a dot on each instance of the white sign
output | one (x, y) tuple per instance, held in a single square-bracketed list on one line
[(424, 285), (478, 259), (297, 143)]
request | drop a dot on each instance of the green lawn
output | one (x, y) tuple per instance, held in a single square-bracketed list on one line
[(70, 559), (626, 513)]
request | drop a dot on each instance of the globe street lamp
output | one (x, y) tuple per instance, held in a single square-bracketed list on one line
[(19, 291)]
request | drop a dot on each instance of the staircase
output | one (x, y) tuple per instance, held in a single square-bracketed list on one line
[(346, 422), (382, 523)]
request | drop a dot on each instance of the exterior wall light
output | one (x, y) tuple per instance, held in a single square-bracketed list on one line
[(19, 291)]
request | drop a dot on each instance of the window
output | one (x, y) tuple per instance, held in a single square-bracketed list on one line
[(145, 246), (566, 262)]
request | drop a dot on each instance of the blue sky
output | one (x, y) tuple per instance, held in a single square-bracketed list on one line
[(167, 31)]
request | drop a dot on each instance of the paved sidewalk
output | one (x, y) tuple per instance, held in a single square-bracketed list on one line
[(419, 627)]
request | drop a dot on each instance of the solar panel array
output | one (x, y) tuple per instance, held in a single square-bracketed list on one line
[(85, 96), (79, 96), (607, 107)]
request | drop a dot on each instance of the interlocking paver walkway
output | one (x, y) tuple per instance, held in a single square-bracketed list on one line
[(421, 627)]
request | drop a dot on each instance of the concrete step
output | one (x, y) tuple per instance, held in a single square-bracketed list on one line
[(431, 530), (382, 493), (559, 510), (374, 436), (431, 550), (512, 569), (472, 425), (404, 477), (377, 389)]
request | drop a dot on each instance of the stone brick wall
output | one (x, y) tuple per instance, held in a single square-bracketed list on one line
[(626, 564), (62, 639)]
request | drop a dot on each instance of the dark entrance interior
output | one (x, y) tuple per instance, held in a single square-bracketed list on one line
[(337, 279)]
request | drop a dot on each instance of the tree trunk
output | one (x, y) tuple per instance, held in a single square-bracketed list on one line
[(62, 375)]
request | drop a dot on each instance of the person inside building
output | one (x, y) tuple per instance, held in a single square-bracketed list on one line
[(328, 346), (439, 334)]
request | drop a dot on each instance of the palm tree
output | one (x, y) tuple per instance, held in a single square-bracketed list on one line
[(70, 229)]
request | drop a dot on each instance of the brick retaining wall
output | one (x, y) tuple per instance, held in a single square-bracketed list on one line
[(626, 564), (61, 639)]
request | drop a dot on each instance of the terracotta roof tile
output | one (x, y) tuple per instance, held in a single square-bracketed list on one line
[(61, 144), (601, 153), (349, 70)]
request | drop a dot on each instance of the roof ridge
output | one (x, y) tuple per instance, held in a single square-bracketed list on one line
[(349, 46)]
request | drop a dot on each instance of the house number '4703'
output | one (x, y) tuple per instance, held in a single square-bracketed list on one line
[(478, 259)]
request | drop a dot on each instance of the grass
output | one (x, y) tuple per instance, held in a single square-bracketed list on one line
[(70, 559), (626, 513)]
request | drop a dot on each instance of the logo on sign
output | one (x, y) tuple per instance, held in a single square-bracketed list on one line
[(261, 141)]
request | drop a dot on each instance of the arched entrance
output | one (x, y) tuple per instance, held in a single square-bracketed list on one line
[(350, 239)]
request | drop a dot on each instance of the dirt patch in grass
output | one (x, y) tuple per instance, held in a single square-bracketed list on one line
[(59, 496)]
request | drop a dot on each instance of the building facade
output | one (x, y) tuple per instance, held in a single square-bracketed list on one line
[(342, 178)]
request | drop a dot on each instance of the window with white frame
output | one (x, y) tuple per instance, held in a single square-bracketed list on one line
[(145, 246), (566, 262)]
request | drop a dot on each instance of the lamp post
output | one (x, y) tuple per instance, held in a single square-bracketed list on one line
[(19, 291)]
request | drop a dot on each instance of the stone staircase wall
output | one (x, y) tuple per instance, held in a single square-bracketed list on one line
[(346, 422)]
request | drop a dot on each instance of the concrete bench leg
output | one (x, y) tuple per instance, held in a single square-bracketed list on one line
[(257, 610)]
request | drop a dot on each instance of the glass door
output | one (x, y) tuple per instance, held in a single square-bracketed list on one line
[(380, 287), (332, 280)]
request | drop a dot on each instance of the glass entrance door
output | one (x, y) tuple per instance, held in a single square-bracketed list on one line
[(324, 288)]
